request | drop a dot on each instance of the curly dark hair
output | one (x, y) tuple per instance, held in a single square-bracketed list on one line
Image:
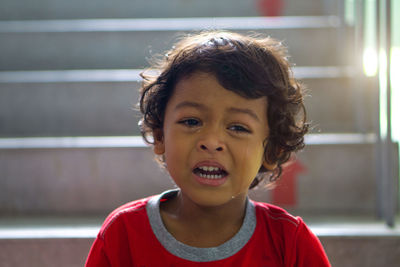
[(252, 67)]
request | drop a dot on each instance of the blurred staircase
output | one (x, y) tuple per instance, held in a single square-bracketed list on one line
[(69, 145)]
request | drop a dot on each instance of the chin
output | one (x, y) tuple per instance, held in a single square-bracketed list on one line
[(213, 199)]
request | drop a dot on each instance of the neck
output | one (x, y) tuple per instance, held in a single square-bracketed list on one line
[(203, 226), (231, 211)]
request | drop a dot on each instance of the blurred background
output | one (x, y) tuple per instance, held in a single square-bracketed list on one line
[(70, 150)]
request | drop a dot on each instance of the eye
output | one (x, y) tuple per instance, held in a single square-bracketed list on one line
[(191, 122), (239, 129)]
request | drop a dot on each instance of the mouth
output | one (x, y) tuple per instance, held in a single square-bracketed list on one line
[(210, 174)]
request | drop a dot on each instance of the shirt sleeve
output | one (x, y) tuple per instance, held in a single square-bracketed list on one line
[(308, 251), (97, 256)]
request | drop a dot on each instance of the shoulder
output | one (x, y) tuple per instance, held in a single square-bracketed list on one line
[(294, 237), (127, 212), (276, 215)]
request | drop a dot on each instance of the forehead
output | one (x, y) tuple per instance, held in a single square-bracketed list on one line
[(204, 88)]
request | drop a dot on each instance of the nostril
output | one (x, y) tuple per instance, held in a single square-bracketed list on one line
[(203, 147)]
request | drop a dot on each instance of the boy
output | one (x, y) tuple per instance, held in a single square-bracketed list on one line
[(223, 113)]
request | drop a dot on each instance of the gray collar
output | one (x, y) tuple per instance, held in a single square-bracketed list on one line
[(195, 254)]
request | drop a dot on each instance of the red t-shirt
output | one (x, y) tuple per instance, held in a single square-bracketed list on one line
[(129, 238)]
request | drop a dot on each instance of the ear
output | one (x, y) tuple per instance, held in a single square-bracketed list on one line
[(266, 163), (159, 147), (269, 166)]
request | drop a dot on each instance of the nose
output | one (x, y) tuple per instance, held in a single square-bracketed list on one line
[(211, 148), (211, 143)]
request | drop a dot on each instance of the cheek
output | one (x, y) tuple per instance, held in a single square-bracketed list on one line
[(255, 161), (177, 151), (171, 153), (251, 152), (249, 160)]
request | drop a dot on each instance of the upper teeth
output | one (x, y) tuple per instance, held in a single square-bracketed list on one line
[(209, 168)]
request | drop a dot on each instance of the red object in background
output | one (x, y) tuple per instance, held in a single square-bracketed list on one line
[(270, 7), (285, 193)]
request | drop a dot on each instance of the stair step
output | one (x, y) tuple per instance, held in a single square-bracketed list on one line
[(137, 141), (88, 227), (116, 44), (102, 102), (169, 24), (58, 9), (68, 178), (362, 243), (71, 76), (133, 75), (46, 232), (72, 142), (342, 251)]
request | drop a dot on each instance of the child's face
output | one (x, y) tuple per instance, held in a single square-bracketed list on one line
[(209, 130)]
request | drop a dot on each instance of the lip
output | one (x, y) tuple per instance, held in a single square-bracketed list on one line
[(207, 181), (209, 163)]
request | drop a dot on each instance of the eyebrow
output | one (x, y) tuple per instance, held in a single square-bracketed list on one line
[(247, 111), (189, 104)]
